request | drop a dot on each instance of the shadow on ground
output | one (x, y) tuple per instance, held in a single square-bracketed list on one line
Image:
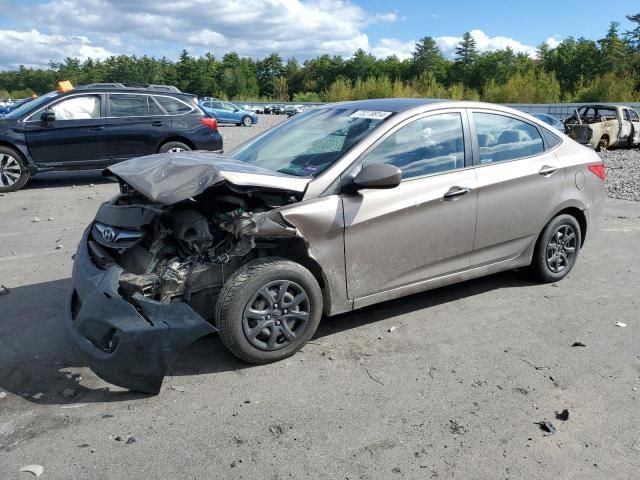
[(37, 357), (67, 179)]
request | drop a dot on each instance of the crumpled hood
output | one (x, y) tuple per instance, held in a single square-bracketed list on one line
[(172, 177)]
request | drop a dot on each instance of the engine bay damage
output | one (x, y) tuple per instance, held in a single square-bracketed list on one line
[(183, 252)]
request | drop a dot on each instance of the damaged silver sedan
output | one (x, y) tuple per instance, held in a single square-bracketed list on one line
[(341, 207)]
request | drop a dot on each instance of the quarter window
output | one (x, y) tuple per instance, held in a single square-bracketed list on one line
[(172, 106), (503, 138), (634, 116), (77, 108), (425, 146)]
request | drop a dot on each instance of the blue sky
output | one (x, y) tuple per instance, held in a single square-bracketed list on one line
[(32, 32)]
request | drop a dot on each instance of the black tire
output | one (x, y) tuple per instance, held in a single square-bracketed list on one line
[(14, 172), (247, 121), (174, 147), (548, 265), (241, 292)]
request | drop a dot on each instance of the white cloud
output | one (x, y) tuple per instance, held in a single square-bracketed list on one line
[(391, 46), (484, 43), (33, 48), (553, 42)]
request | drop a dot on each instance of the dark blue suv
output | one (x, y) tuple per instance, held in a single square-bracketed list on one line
[(94, 126)]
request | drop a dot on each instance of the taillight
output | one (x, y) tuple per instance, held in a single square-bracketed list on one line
[(598, 170), (210, 122)]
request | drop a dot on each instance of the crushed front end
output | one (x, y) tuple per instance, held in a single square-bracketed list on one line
[(146, 275)]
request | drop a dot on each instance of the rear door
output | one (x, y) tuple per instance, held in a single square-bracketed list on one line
[(75, 138), (136, 125), (626, 127), (519, 184), (424, 228)]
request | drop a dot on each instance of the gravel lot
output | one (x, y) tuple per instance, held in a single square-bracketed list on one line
[(453, 391), (623, 173)]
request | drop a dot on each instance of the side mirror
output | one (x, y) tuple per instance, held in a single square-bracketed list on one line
[(47, 117), (378, 176)]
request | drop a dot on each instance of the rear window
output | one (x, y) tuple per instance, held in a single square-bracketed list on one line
[(173, 106)]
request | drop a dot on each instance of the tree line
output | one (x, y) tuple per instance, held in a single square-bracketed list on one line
[(579, 70)]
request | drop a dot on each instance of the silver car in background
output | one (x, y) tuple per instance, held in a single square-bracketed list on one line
[(341, 207)]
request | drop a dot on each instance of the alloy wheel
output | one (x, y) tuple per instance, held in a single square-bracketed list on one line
[(561, 248), (176, 150), (276, 315), (10, 170)]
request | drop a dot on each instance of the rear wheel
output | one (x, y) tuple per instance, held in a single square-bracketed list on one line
[(557, 249), (268, 310), (14, 173), (603, 144), (174, 147)]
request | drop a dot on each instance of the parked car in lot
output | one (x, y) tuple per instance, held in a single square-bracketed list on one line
[(9, 107), (551, 120), (227, 112), (291, 110), (604, 126), (277, 109), (341, 207), (92, 127)]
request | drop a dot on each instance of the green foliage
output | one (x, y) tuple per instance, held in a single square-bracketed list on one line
[(576, 69)]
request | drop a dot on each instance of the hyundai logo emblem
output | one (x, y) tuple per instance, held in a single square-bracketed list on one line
[(109, 234)]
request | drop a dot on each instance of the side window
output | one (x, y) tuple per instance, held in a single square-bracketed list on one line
[(229, 106), (154, 109), (503, 138), (77, 108), (634, 116), (172, 106), (128, 105), (216, 105), (425, 146)]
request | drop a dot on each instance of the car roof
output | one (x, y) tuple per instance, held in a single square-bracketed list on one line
[(147, 91), (394, 105)]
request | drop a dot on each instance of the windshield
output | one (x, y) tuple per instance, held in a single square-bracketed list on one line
[(31, 106), (309, 143)]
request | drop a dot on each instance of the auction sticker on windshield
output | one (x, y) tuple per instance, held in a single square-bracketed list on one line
[(371, 114)]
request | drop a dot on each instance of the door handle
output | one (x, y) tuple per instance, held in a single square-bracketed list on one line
[(157, 124), (547, 171), (456, 192), (96, 129)]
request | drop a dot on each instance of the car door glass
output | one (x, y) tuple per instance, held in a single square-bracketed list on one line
[(128, 105), (77, 108), (634, 116), (502, 138), (172, 105), (425, 146), (230, 107), (154, 109), (216, 105)]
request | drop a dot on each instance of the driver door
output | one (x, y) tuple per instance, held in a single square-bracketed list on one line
[(75, 138), (422, 229)]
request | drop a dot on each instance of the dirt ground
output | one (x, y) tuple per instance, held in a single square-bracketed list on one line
[(445, 384)]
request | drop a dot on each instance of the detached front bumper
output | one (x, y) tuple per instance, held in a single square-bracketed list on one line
[(128, 344)]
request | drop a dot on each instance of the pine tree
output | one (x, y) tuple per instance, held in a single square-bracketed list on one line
[(427, 57), (466, 52)]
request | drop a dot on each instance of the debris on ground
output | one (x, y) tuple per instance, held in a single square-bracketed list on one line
[(178, 388), (456, 428), (35, 470), (563, 415), (59, 246), (118, 438), (520, 390), (107, 415), (3, 394), (131, 440), (621, 324), (372, 377), (578, 344), (91, 185), (38, 396), (392, 329), (547, 427), (50, 219), (396, 470), (276, 430), (35, 220), (4, 290), (68, 393)]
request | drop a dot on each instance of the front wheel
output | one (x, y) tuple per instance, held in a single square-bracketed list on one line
[(557, 249), (268, 310), (174, 147), (603, 144), (14, 173), (247, 122)]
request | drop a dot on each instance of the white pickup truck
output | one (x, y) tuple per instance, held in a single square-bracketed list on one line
[(604, 126)]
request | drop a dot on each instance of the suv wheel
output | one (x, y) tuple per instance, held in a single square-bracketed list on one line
[(247, 122), (557, 249), (268, 310), (14, 172), (174, 147)]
